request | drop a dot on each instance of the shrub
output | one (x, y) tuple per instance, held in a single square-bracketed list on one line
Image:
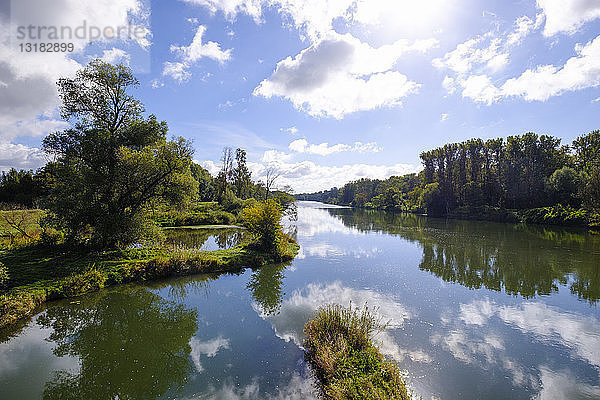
[(340, 348), (262, 220), (3, 275)]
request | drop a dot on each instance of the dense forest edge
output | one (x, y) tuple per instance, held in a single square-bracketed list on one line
[(95, 214), (527, 178)]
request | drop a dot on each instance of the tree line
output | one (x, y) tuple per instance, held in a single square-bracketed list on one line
[(523, 172)]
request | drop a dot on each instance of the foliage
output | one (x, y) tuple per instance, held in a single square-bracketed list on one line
[(564, 185), (494, 177), (202, 213), (263, 221), (39, 274), (556, 215), (113, 162), (339, 345), (4, 276), (25, 188)]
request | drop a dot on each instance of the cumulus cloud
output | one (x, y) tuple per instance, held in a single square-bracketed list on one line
[(579, 72), (323, 149), (538, 84), (189, 55), (567, 16), (469, 54), (307, 176), (29, 97), (19, 156), (339, 74)]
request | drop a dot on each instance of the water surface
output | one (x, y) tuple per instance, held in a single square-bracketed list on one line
[(476, 310)]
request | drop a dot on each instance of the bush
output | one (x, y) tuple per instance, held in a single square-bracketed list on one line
[(3, 275), (339, 347), (556, 215), (263, 222)]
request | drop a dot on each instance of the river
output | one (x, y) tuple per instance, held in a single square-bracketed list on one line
[(475, 310)]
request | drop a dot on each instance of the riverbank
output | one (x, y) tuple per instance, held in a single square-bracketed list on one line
[(339, 346), (557, 215), (45, 274)]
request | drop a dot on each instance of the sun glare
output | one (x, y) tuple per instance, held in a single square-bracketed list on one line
[(393, 17)]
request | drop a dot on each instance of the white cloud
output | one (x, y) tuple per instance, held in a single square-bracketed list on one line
[(307, 176), (189, 55), (596, 100), (444, 117), (314, 18), (579, 72), (523, 27), (156, 83), (339, 74), (480, 89), (19, 156), (292, 130), (470, 54), (323, 149), (29, 97), (567, 16), (231, 8), (116, 56), (271, 156)]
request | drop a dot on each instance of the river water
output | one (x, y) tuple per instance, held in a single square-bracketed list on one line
[(475, 310)]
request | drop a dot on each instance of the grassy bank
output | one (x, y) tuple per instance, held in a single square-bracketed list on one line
[(38, 274), (339, 346)]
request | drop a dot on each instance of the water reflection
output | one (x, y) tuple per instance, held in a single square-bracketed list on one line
[(524, 260), (204, 239), (494, 337), (301, 306), (130, 344), (266, 287)]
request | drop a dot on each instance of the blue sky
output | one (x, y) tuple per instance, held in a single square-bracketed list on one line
[(323, 91)]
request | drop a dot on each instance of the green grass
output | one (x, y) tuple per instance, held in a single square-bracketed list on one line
[(340, 348), (38, 274), (19, 227)]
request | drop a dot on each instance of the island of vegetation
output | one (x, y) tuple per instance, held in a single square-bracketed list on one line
[(341, 349), (93, 216), (527, 178)]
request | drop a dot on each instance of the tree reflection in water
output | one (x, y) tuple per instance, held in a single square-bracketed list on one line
[(519, 259), (266, 287), (131, 343)]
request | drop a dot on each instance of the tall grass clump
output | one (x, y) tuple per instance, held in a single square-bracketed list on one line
[(339, 346)]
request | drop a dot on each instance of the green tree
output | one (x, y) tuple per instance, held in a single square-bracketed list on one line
[(263, 222), (207, 186), (564, 185), (113, 161), (241, 175)]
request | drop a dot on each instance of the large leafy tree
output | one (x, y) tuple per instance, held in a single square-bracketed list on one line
[(113, 161)]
